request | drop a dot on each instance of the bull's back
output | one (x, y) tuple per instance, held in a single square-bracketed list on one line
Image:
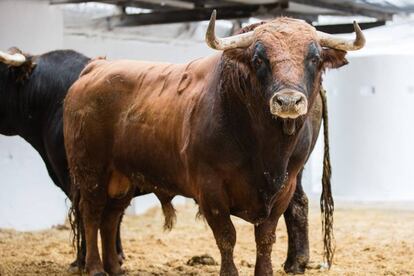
[(137, 114)]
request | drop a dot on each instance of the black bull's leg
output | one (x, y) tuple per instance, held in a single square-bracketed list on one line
[(296, 218)]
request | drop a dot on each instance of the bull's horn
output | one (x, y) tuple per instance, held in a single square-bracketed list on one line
[(331, 41), (231, 42), (12, 59)]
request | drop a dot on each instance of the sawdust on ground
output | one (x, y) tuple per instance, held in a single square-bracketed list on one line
[(369, 241)]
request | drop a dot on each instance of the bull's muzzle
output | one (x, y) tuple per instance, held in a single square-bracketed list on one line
[(288, 104)]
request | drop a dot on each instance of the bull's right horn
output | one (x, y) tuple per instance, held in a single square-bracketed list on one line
[(12, 59), (334, 42), (237, 41)]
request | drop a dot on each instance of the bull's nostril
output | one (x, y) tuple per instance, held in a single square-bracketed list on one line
[(279, 101), (298, 101)]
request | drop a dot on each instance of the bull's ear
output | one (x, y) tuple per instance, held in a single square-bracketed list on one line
[(333, 58)]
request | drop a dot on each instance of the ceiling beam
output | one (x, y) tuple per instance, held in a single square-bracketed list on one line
[(196, 14), (144, 4), (171, 3), (199, 3), (347, 28), (350, 8)]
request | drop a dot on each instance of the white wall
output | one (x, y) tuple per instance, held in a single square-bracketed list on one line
[(28, 199), (178, 52), (371, 104), (31, 25)]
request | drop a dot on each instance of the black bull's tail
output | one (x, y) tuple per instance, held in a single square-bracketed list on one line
[(326, 201), (75, 222)]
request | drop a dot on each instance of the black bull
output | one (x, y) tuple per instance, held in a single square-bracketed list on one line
[(31, 97)]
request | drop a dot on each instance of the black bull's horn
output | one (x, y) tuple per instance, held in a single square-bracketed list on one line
[(12, 59)]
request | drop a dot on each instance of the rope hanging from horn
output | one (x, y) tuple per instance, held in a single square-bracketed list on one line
[(326, 201)]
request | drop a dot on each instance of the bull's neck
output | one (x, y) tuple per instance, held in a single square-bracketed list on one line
[(26, 111)]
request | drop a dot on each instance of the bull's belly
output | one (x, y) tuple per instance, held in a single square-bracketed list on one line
[(153, 175), (255, 210)]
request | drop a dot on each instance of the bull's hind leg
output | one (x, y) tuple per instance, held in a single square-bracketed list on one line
[(109, 227), (119, 248), (92, 214), (92, 203), (296, 218), (120, 192)]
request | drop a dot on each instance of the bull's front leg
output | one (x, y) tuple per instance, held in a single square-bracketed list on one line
[(214, 206), (296, 218), (265, 237), (225, 235)]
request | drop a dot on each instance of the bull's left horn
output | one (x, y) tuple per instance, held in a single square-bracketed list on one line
[(331, 41), (12, 59), (237, 41)]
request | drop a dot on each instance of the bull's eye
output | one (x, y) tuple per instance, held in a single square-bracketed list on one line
[(315, 60), (257, 62), (260, 63)]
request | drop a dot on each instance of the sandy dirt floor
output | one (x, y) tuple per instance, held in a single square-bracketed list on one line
[(369, 241)]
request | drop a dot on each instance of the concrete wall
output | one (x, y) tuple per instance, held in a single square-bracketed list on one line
[(371, 121), (31, 25), (28, 199)]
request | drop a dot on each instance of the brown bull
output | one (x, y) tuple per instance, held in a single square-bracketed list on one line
[(231, 131)]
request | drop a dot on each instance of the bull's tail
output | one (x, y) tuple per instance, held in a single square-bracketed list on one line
[(75, 221), (169, 215), (326, 201)]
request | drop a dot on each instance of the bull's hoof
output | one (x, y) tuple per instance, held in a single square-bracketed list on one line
[(74, 268), (121, 258), (118, 274), (121, 272), (229, 271), (100, 274), (297, 265), (295, 268)]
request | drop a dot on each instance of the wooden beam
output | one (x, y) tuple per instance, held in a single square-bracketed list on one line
[(157, 5), (197, 3), (196, 14), (350, 8), (172, 3), (347, 28)]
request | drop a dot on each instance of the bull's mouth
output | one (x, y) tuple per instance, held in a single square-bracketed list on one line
[(289, 126)]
